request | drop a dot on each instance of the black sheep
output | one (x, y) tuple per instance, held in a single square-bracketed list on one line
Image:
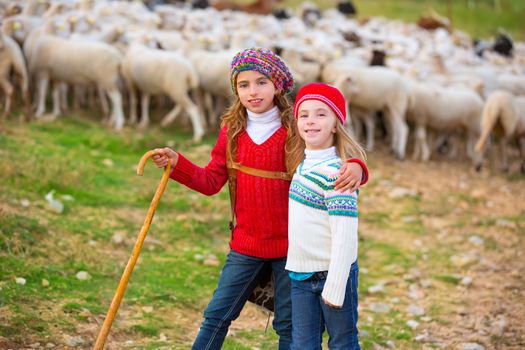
[(503, 45), (281, 14), (378, 58), (346, 7)]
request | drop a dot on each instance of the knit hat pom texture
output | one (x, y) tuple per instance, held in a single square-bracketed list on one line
[(264, 61)]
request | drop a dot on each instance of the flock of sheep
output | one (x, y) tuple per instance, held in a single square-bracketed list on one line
[(95, 51)]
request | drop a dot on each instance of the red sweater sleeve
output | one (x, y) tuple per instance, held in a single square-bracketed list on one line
[(210, 179), (363, 166)]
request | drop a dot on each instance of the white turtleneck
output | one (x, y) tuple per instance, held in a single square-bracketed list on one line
[(261, 126), (313, 157)]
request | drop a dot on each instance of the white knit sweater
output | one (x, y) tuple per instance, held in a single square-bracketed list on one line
[(322, 224)]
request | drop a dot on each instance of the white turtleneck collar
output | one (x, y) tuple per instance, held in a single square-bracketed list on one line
[(313, 157), (261, 126)]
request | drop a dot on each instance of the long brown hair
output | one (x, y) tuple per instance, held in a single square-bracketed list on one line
[(235, 118)]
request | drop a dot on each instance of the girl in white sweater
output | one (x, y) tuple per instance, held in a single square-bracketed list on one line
[(322, 226)]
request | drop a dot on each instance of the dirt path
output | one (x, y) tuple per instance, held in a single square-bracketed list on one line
[(479, 219)]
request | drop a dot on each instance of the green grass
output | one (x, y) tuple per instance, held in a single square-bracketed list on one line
[(387, 327), (144, 330), (67, 156), (482, 20), (449, 279)]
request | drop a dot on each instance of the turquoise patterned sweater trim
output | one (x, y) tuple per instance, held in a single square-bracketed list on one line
[(315, 188)]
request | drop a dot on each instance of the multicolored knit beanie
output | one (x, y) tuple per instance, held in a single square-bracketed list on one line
[(267, 63), (325, 93)]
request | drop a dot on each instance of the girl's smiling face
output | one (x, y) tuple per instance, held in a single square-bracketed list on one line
[(256, 91), (317, 124)]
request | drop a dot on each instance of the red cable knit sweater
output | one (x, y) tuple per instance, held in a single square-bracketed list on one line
[(261, 208)]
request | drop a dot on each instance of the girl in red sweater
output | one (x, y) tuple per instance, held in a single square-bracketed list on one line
[(258, 139)]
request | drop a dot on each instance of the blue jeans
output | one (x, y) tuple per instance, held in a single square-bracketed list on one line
[(236, 282), (310, 315)]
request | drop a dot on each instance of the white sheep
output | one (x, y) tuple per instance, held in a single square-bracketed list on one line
[(309, 71), (379, 89), (11, 57), (76, 62), (443, 109), (512, 83), (505, 112), (35, 7), (158, 72), (333, 69), (214, 83)]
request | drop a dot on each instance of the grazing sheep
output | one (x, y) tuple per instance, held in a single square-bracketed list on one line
[(282, 13), (307, 71), (76, 62), (333, 69), (503, 44), (378, 58), (359, 117), (214, 84), (155, 72), (505, 114), (443, 109), (309, 13), (379, 89), (11, 57), (346, 8)]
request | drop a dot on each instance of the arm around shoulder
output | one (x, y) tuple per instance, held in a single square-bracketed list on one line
[(364, 178), (353, 174)]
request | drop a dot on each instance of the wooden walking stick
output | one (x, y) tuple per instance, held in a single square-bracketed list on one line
[(101, 339)]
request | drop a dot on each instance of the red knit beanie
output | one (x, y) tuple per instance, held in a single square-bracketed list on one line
[(324, 93)]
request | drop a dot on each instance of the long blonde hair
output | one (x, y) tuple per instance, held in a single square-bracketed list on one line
[(346, 146), (235, 118)]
